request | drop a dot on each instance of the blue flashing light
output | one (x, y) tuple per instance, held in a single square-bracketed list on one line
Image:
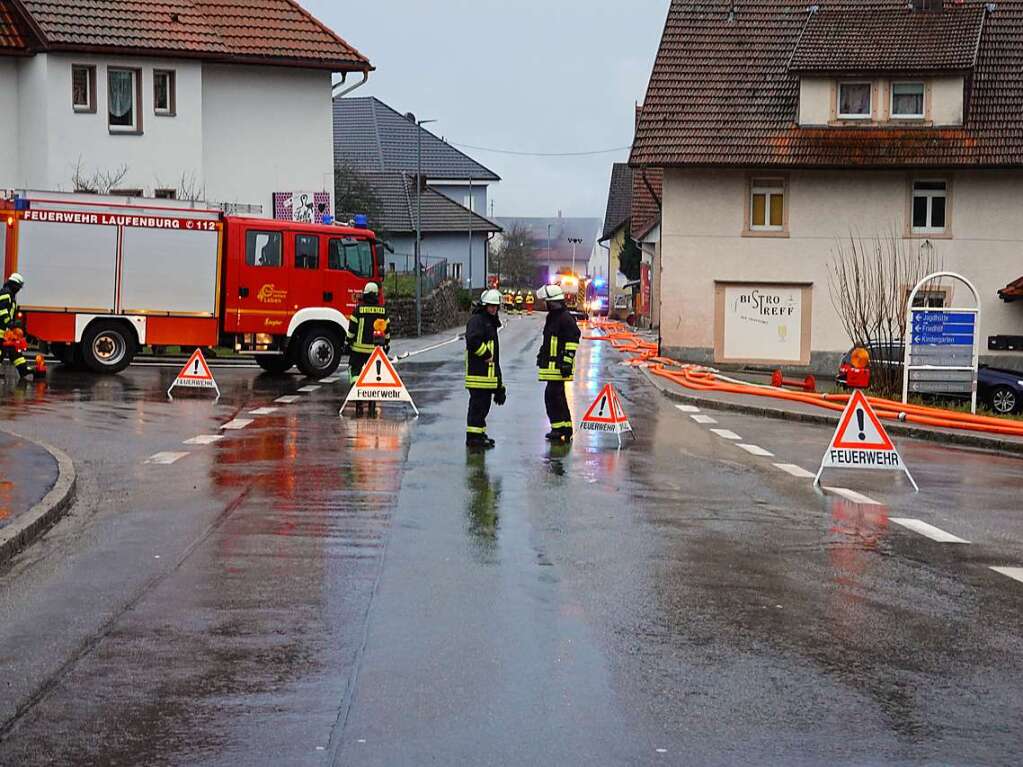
[(361, 221), (20, 203), (327, 219), (599, 282)]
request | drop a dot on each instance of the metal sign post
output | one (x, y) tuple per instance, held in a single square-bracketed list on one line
[(942, 346)]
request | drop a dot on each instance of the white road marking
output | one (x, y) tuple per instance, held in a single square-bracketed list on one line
[(289, 400), (796, 471), (852, 495), (332, 379), (704, 419), (928, 531), (264, 411), (757, 450), (165, 459), (725, 434), (688, 408), (204, 439), (1016, 573), (237, 423), (310, 389)]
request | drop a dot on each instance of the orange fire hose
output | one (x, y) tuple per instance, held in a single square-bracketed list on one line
[(699, 378)]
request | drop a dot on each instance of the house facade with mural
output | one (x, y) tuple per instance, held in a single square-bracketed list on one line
[(226, 101), (785, 129)]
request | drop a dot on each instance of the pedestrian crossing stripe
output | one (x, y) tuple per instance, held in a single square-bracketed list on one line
[(196, 374), (607, 415), (378, 382), (861, 442)]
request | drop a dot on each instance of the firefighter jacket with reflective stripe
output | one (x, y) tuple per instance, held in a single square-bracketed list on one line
[(361, 336), (482, 351), (8, 309), (561, 335)]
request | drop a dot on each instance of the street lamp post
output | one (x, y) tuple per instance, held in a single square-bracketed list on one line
[(419, 220), (548, 253)]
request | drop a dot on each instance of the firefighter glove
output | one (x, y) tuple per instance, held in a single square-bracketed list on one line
[(500, 396)]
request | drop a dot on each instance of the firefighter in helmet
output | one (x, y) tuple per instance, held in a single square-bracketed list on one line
[(368, 328), (530, 301), (556, 361), (509, 301), (519, 302), (12, 343), (483, 368)]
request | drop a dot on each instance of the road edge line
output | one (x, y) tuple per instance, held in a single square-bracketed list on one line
[(35, 522)]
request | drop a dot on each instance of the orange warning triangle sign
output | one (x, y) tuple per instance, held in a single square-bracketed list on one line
[(379, 373), (606, 408), (196, 368), (860, 428)]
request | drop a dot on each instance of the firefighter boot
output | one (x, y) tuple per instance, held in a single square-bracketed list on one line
[(479, 441)]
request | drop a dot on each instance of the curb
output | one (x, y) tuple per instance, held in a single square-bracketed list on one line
[(902, 430), (41, 517)]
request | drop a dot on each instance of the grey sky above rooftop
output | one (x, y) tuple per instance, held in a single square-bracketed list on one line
[(531, 75)]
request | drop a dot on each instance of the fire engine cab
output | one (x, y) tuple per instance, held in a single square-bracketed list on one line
[(107, 276)]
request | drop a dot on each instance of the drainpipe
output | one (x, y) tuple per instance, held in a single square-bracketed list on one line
[(337, 94)]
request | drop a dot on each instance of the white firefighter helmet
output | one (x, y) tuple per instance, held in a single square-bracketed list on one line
[(371, 289), (17, 279), (491, 298), (551, 293)]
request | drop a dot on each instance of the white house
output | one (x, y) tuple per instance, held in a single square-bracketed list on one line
[(229, 101), (784, 128)]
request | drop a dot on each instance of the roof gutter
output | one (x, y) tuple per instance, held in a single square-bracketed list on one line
[(340, 92)]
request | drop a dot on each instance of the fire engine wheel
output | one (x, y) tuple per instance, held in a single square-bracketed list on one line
[(319, 352), (107, 347), (274, 363)]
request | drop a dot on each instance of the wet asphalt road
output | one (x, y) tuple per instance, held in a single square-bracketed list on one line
[(315, 590)]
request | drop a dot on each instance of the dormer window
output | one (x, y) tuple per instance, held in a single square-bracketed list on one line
[(854, 102), (907, 101)]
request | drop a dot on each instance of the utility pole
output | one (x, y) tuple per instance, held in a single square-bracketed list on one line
[(419, 219), (470, 206), (548, 253), (576, 241)]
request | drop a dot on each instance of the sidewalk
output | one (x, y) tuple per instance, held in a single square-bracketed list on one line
[(36, 486), (795, 411)]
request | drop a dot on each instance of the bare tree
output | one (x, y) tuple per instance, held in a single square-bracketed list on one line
[(99, 181), (870, 279), (513, 260)]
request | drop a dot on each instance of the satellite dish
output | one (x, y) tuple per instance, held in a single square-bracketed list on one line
[(410, 117)]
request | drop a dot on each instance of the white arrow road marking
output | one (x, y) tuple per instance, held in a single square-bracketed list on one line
[(309, 389), (264, 411), (757, 450), (165, 459), (237, 423), (688, 408), (704, 419), (289, 400), (1016, 573), (852, 495), (204, 439), (796, 471), (928, 531), (725, 434)]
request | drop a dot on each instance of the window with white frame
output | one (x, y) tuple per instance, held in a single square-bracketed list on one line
[(83, 88), (456, 271), (854, 101), (930, 206), (908, 101), (122, 105), (164, 96), (767, 205)]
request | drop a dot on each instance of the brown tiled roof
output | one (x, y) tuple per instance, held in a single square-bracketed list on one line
[(12, 39), (619, 199), (895, 40), (721, 95), (249, 31)]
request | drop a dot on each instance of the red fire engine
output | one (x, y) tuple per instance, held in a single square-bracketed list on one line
[(105, 277)]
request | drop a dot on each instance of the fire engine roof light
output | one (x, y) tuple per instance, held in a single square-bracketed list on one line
[(361, 221), (20, 203)]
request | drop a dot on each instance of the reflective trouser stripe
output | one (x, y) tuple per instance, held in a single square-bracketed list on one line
[(475, 430), (474, 384), (562, 425)]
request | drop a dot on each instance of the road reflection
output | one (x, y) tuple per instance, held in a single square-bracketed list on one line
[(483, 502)]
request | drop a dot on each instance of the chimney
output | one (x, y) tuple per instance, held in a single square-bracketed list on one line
[(929, 5)]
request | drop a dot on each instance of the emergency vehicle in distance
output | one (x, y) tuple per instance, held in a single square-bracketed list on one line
[(574, 287), (106, 276)]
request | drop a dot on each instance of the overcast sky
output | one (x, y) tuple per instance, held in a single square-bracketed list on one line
[(529, 75)]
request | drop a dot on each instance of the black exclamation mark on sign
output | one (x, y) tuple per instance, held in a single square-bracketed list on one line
[(379, 376), (603, 401), (196, 368), (860, 418)]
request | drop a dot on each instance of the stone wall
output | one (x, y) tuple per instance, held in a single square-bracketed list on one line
[(441, 311)]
